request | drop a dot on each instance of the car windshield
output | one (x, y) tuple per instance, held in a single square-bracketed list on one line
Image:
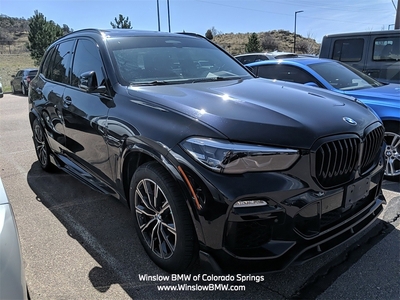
[(344, 77), (171, 59)]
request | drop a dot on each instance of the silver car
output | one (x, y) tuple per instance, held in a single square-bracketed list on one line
[(254, 57), (12, 274)]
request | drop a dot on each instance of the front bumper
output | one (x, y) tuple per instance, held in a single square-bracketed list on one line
[(301, 220), (275, 254)]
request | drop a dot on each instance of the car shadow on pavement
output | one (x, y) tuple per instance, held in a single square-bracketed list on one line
[(393, 186), (103, 226)]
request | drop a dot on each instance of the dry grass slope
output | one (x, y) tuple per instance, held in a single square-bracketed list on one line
[(14, 58), (275, 40), (10, 64)]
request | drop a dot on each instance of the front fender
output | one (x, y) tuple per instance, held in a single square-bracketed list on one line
[(139, 150)]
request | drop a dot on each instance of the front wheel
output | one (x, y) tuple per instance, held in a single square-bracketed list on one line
[(41, 147), (392, 151), (162, 219)]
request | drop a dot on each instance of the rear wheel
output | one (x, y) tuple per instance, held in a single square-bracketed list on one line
[(23, 89), (41, 147), (392, 151), (162, 219)]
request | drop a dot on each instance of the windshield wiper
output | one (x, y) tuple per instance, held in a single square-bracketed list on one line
[(155, 82), (216, 78)]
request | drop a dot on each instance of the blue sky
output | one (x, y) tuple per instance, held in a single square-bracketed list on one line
[(319, 17)]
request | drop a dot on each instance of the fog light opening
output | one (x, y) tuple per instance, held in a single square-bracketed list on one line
[(250, 203)]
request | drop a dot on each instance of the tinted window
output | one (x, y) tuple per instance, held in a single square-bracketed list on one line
[(61, 64), (48, 63), (387, 48), (87, 58), (246, 59), (286, 73), (348, 50)]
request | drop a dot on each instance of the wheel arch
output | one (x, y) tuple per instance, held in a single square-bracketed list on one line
[(34, 115), (390, 122), (136, 155)]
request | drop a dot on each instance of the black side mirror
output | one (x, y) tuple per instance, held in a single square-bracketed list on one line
[(88, 83)]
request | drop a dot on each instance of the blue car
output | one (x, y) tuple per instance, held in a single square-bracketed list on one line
[(333, 75)]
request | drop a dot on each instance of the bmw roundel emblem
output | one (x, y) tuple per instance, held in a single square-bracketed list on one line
[(349, 121)]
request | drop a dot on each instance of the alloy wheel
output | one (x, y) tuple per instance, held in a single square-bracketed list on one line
[(392, 153), (40, 145), (155, 218)]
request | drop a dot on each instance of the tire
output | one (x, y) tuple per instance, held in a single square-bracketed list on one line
[(42, 149), (23, 89), (12, 89), (392, 151), (162, 219)]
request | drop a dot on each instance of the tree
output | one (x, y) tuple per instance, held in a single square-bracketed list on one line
[(66, 29), (121, 22), (253, 44), (215, 32), (269, 42), (41, 34), (209, 34)]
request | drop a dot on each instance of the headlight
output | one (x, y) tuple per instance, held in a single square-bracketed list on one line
[(232, 158)]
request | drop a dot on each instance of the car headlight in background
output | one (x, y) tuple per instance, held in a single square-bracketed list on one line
[(233, 158)]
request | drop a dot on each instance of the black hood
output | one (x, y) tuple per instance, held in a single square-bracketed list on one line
[(263, 112)]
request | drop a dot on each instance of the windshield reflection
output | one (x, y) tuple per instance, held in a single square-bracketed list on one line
[(171, 60), (344, 77)]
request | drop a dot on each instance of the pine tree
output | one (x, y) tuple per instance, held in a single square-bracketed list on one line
[(209, 34), (121, 22), (41, 35), (253, 44)]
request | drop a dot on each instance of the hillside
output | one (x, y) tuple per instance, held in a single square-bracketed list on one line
[(275, 40)]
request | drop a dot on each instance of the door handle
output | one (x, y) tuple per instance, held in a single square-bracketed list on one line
[(67, 101)]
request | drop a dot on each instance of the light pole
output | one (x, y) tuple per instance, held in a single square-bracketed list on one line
[(169, 22), (158, 14), (295, 21)]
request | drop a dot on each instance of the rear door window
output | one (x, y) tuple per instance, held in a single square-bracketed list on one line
[(286, 73), (348, 50), (48, 63), (62, 61)]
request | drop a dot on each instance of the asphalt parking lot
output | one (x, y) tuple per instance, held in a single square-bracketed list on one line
[(80, 244)]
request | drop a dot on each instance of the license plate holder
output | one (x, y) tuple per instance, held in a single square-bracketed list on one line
[(357, 191)]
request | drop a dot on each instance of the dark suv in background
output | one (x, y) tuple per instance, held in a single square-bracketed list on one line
[(249, 174), (376, 53), (20, 81)]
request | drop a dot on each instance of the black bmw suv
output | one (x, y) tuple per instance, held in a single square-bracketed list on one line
[(248, 174)]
